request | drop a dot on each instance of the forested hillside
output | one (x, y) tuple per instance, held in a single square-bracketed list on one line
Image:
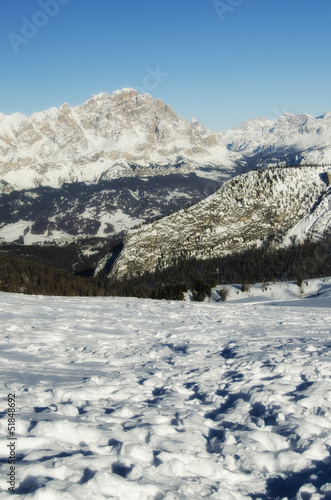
[(297, 262), (253, 209)]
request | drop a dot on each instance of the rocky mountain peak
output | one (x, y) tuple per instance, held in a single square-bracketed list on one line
[(90, 140)]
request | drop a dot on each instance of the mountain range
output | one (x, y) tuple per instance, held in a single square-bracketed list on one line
[(118, 160)]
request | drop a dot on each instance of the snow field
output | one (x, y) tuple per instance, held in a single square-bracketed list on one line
[(137, 399)]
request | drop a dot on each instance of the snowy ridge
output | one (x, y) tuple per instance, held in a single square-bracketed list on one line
[(299, 138), (245, 211), (150, 400)]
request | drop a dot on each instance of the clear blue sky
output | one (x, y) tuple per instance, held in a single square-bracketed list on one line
[(257, 58)]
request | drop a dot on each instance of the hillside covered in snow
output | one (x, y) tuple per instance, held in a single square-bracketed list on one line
[(152, 400), (268, 206)]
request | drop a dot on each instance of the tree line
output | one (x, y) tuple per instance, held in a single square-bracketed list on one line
[(254, 265)]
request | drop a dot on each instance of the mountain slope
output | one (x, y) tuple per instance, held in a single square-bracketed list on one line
[(253, 208)]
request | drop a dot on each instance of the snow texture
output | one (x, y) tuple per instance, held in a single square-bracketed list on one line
[(137, 399)]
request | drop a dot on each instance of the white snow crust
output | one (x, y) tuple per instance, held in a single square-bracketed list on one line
[(123, 398)]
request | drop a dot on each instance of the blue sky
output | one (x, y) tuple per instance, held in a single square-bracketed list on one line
[(223, 65)]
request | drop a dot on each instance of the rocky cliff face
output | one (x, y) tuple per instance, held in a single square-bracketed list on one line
[(105, 138), (256, 208)]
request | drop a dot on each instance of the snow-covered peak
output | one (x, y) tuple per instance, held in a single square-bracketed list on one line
[(125, 91), (16, 119), (86, 141), (254, 123), (65, 107), (196, 124)]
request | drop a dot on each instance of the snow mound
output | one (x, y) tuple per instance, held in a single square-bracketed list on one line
[(270, 291)]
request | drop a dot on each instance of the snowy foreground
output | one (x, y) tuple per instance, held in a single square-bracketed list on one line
[(137, 399)]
